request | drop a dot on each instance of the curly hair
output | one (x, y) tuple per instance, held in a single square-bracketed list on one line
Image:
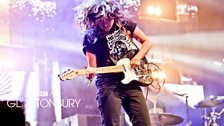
[(90, 10)]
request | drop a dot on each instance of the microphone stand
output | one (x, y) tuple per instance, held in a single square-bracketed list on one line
[(187, 110), (205, 118), (186, 102)]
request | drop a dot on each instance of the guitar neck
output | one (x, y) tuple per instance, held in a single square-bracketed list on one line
[(100, 70)]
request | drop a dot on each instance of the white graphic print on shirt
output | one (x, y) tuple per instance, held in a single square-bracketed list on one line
[(119, 44)]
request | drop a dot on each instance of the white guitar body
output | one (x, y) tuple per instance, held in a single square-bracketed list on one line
[(129, 73)]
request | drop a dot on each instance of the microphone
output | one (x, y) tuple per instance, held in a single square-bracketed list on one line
[(178, 94)]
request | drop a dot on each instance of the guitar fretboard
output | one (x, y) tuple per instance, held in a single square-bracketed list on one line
[(108, 69)]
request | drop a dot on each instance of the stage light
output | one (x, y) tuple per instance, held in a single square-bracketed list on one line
[(42, 9), (187, 9), (154, 10), (150, 10), (158, 9), (130, 3)]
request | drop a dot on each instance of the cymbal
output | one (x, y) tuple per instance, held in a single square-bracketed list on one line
[(211, 102), (165, 119)]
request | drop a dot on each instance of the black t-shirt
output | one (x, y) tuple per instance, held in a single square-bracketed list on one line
[(112, 47)]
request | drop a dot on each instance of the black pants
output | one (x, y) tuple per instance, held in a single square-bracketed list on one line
[(113, 94)]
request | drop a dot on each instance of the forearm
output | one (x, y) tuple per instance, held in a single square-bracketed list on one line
[(91, 62), (146, 46)]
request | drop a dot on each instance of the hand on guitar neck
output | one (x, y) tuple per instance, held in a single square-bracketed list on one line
[(90, 74)]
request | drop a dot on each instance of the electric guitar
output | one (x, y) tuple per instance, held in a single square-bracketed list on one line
[(145, 73)]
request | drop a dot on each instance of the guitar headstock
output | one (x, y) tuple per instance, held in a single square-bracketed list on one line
[(68, 75)]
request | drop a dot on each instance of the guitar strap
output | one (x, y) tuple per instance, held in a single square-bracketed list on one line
[(127, 33)]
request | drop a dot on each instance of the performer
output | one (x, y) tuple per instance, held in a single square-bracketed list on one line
[(107, 40)]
